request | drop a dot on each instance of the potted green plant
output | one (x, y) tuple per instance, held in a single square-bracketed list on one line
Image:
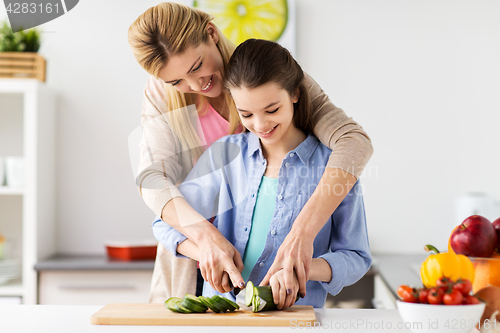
[(18, 53), (22, 41)]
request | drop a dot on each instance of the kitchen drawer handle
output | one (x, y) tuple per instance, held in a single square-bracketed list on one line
[(114, 287)]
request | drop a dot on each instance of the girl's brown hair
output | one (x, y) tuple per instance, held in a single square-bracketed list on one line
[(256, 62)]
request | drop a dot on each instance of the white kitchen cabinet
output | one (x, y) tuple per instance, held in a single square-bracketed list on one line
[(394, 270), (383, 297), (94, 287), (27, 129)]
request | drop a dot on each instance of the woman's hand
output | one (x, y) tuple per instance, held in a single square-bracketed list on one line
[(282, 296), (293, 260), (215, 253), (220, 263)]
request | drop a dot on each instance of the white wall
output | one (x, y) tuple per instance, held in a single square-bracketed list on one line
[(420, 76), (422, 79)]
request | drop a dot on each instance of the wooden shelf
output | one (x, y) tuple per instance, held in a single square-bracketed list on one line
[(5, 190), (24, 65)]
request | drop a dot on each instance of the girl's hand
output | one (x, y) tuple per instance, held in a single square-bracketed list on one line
[(294, 259), (282, 296), (296, 251), (220, 263)]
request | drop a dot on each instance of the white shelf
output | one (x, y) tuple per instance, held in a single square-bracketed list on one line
[(5, 190), (27, 121), (12, 288)]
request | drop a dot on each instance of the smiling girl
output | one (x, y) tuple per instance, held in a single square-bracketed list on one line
[(260, 180)]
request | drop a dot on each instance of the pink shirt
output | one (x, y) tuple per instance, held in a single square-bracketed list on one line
[(214, 126)]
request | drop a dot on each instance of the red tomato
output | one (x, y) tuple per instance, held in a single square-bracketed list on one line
[(464, 286), (402, 289), (444, 282), (407, 294), (469, 299), (445, 289), (435, 296), (423, 295), (454, 297)]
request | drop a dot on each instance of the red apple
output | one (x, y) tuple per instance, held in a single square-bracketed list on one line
[(496, 225), (475, 237)]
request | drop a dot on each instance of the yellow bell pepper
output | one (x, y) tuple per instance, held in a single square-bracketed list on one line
[(448, 264)]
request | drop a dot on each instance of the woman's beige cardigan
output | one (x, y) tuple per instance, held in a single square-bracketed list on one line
[(165, 162)]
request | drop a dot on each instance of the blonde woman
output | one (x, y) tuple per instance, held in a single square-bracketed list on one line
[(185, 109)]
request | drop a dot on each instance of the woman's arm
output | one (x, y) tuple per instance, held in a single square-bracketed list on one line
[(219, 260), (351, 150), (350, 144), (163, 163), (189, 249)]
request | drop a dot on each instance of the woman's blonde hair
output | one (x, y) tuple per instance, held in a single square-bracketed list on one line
[(169, 29)]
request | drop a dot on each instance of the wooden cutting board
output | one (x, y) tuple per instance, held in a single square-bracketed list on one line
[(158, 314)]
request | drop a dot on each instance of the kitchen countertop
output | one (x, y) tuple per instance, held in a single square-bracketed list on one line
[(91, 262), (395, 270), (76, 319), (398, 269)]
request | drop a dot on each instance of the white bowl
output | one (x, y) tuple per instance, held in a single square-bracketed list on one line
[(430, 318)]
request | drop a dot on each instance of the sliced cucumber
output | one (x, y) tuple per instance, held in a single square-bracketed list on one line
[(181, 308), (170, 303), (206, 301), (226, 303), (219, 303), (249, 293), (255, 303), (193, 299), (193, 307), (232, 304), (192, 303)]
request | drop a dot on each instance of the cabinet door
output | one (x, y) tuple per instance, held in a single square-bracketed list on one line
[(384, 299), (94, 287)]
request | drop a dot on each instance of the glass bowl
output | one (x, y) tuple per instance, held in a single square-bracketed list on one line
[(486, 272)]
